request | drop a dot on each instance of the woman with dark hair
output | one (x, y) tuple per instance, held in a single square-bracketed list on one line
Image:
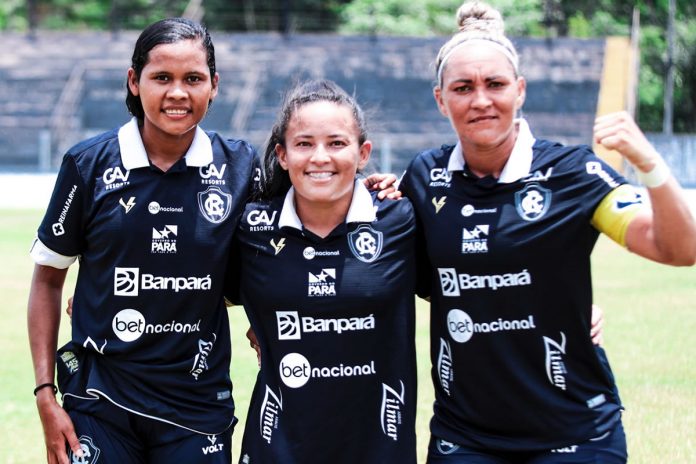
[(326, 273), (150, 210)]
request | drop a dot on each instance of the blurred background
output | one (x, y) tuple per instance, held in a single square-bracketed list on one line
[(63, 65)]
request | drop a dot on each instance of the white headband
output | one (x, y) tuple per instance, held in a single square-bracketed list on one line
[(513, 59)]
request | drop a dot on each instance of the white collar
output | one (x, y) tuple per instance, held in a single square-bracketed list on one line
[(133, 154), (518, 164), (361, 208)]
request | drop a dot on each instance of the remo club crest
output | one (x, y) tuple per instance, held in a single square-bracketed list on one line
[(214, 204), (532, 202), (365, 243)]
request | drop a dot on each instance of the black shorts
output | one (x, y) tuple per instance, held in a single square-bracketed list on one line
[(607, 449), (109, 434)]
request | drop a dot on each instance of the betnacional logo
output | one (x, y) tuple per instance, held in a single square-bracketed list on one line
[(129, 325), (365, 243), (310, 253), (461, 327), (214, 204), (155, 208), (295, 370)]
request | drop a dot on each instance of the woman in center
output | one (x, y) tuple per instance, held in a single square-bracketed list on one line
[(326, 273)]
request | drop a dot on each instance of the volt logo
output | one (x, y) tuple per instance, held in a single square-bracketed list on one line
[(438, 203), (127, 205)]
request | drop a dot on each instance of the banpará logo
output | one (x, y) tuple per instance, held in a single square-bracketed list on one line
[(365, 243), (214, 204), (209, 171), (115, 178), (555, 366), (532, 202), (461, 327), (390, 411), (295, 370), (451, 283), (291, 326), (129, 325), (271, 407), (445, 369), (128, 281)]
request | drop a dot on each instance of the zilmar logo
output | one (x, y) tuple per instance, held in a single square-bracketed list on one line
[(445, 371), (271, 406), (390, 412)]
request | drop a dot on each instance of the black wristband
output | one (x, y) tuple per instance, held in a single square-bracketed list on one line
[(44, 385)]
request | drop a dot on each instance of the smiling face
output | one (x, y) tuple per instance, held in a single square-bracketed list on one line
[(322, 154), (480, 95), (175, 88)]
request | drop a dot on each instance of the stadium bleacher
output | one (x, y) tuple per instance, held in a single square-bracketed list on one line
[(392, 78)]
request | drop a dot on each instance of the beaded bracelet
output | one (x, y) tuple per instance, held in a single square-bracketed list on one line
[(44, 385)]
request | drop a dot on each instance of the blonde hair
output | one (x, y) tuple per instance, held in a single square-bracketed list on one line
[(477, 21)]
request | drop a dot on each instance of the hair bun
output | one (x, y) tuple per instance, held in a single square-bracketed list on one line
[(479, 16)]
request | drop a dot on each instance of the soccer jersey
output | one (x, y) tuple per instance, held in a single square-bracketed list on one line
[(150, 330), (513, 364), (334, 317)]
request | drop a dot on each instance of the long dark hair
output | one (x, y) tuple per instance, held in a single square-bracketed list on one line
[(276, 180), (165, 31)]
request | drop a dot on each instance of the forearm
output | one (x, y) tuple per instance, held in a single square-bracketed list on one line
[(43, 320), (673, 226)]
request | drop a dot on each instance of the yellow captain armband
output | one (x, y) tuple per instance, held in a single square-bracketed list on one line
[(616, 211)]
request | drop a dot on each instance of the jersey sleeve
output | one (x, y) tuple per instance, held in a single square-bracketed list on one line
[(60, 237), (616, 211)]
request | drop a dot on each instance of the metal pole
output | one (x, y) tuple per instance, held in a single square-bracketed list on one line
[(667, 124)]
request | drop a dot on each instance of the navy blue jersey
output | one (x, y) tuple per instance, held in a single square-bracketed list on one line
[(514, 367), (335, 321), (149, 327)]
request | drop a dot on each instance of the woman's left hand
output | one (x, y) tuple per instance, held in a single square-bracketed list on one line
[(385, 184)]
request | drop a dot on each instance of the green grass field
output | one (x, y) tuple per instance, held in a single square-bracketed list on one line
[(651, 321)]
